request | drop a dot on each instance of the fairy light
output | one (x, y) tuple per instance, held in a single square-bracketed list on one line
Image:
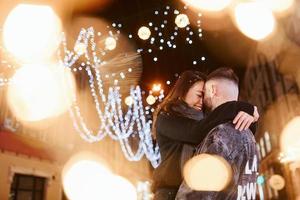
[(182, 20), (144, 33)]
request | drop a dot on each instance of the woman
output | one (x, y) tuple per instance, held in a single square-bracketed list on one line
[(179, 127)]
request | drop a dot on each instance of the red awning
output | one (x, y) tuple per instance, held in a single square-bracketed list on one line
[(23, 145)]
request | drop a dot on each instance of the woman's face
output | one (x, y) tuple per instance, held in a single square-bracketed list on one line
[(194, 97)]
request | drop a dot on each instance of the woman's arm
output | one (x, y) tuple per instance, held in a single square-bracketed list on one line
[(186, 130)]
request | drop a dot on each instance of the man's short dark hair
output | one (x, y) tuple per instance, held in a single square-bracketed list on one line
[(223, 73)]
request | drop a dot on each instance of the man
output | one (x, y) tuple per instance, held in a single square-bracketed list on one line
[(238, 148)]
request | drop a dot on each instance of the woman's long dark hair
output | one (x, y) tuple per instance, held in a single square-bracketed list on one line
[(186, 80)]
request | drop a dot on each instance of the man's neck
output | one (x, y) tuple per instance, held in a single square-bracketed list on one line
[(218, 103)]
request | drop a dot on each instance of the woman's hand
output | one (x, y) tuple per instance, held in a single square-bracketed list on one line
[(255, 114), (243, 120)]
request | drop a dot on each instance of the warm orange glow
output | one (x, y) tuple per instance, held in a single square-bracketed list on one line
[(32, 32), (206, 172), (209, 5), (38, 92), (254, 20), (156, 87)]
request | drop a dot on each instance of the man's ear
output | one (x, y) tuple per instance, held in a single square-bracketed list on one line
[(213, 90)]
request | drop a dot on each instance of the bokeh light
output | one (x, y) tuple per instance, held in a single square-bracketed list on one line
[(80, 48), (209, 5), (129, 101), (86, 176), (151, 99), (123, 189), (32, 32), (87, 179), (110, 43), (144, 33), (182, 20), (254, 20), (156, 87), (290, 138), (38, 92), (206, 172)]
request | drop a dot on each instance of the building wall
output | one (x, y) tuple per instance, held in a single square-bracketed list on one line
[(11, 163)]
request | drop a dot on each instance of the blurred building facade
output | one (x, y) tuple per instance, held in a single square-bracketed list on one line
[(276, 94)]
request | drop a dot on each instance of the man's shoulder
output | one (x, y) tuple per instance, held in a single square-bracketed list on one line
[(227, 135)]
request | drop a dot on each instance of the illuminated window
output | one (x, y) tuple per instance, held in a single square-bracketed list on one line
[(268, 142), (258, 150), (262, 147)]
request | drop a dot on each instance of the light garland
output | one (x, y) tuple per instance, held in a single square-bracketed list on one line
[(113, 121)]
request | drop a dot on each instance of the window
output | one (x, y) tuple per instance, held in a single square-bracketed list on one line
[(25, 187), (268, 142), (258, 149), (262, 147)]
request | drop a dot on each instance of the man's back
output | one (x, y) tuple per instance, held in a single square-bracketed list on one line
[(239, 150)]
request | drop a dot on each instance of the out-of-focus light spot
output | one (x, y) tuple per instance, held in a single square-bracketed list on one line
[(277, 182), (202, 58), (182, 20), (129, 101), (168, 82), (27, 36), (254, 20), (209, 5), (156, 87), (155, 59), (144, 33), (123, 189), (194, 62), (87, 179), (290, 139), (279, 5), (207, 173), (39, 92), (151, 100), (110, 43), (80, 48)]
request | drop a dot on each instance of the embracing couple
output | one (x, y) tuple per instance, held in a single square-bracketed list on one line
[(182, 131)]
